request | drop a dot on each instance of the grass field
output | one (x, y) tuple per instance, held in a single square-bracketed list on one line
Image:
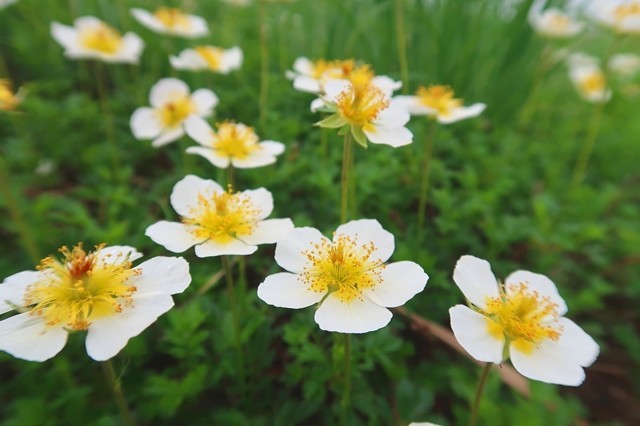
[(504, 186)]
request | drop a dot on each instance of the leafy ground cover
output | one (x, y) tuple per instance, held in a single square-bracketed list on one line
[(500, 189)]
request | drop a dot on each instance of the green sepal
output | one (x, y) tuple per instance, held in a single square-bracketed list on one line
[(359, 136), (343, 130), (332, 122)]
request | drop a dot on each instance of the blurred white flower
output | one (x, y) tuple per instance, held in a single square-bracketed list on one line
[(5, 3), (209, 58), (45, 167), (218, 222), (438, 102), (590, 81), (168, 20), (171, 104), (231, 144), (521, 320), (552, 22), (90, 38), (623, 16), (99, 292), (347, 277), (626, 65)]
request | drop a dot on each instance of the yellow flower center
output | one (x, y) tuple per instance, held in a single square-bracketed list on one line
[(235, 141), (439, 98), (223, 216), (80, 288), (212, 55), (559, 21), (594, 82), (341, 267), (361, 103), (173, 113), (101, 38), (332, 69), (172, 17), (522, 317), (8, 101), (626, 11)]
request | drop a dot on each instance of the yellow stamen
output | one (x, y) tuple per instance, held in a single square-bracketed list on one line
[(80, 288), (559, 21), (8, 100), (223, 216), (626, 11), (176, 111), (172, 17), (235, 141), (522, 317), (593, 83), (361, 102), (439, 98), (102, 38), (342, 267), (212, 55), (332, 69)]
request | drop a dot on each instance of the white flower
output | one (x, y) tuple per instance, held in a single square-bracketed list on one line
[(625, 64), (98, 292), (347, 276), (521, 320), (623, 16), (5, 3), (171, 104), (232, 144), (90, 38), (590, 81), (552, 22), (218, 222), (209, 58), (168, 20), (438, 102)]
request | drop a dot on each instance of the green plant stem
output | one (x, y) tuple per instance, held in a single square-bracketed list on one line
[(116, 389), (402, 46), (24, 231), (587, 146), (424, 180), (108, 116), (346, 393), (344, 181), (476, 402), (531, 103), (264, 63), (231, 183), (235, 313)]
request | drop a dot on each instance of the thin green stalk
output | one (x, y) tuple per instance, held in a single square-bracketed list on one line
[(587, 146), (235, 313), (231, 183), (116, 389), (476, 402), (531, 103), (108, 117), (424, 181), (402, 46), (344, 181), (24, 231), (264, 63), (346, 393)]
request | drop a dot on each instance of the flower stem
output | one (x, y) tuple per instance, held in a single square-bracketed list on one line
[(230, 177), (346, 393), (236, 323), (424, 181), (587, 146), (344, 181), (116, 389), (476, 402), (264, 63), (402, 46), (108, 115)]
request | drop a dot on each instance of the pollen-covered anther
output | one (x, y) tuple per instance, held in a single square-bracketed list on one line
[(439, 98), (102, 38), (234, 140), (360, 104), (172, 17), (176, 111)]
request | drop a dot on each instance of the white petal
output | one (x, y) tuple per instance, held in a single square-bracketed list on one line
[(262, 200), (413, 105), (148, 20), (400, 282), (145, 124), (174, 236), (66, 36), (205, 100), (395, 115), (303, 66), (167, 90), (364, 231), (360, 315), (395, 137), (461, 113), (108, 336), (197, 27), (87, 22), (199, 130), (289, 250), (576, 343), (184, 196), (25, 336), (211, 155), (256, 159), (168, 136), (285, 290), (268, 232), (471, 331), (386, 84), (212, 248), (316, 104), (132, 47), (475, 279), (333, 88), (231, 60), (272, 147), (161, 275), (537, 283), (112, 255), (307, 84), (13, 287)]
